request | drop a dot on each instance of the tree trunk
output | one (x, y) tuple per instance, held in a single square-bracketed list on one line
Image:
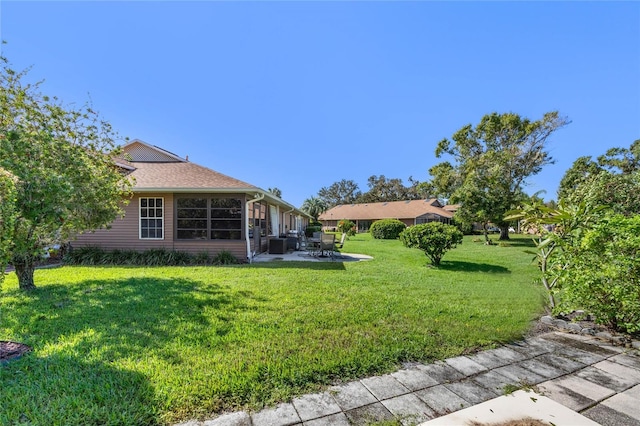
[(504, 233), (24, 271)]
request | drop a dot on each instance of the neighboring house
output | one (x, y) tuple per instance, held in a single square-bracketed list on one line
[(180, 205), (410, 212)]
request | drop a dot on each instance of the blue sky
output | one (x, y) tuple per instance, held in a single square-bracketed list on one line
[(298, 95)]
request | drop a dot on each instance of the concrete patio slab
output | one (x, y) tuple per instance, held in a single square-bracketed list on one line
[(315, 405), (442, 400), (574, 392), (519, 405), (518, 374), (414, 379), (241, 418), (409, 409), (339, 419), (465, 365), (441, 372), (606, 416), (626, 403), (627, 359), (541, 368), (494, 381), (579, 342), (352, 395), (369, 414), (608, 380), (471, 391), (619, 370), (384, 387), (497, 357), (281, 415), (565, 364)]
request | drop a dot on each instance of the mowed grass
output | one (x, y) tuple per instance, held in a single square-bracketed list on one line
[(135, 345)]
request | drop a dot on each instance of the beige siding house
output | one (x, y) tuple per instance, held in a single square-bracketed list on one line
[(180, 205), (410, 212)]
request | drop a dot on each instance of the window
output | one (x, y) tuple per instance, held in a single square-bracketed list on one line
[(208, 218), (151, 218)]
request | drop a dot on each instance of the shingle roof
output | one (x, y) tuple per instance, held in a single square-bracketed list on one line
[(388, 210), (182, 175)]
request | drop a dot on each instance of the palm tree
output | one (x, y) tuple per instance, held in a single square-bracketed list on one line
[(314, 206)]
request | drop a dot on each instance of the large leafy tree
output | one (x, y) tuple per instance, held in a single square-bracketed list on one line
[(491, 163), (382, 189), (342, 192), (8, 216), (63, 162)]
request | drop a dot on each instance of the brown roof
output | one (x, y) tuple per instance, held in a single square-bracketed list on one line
[(182, 175), (389, 210)]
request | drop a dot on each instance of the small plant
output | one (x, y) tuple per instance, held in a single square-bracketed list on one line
[(347, 227), (224, 257), (387, 229), (202, 258), (434, 238)]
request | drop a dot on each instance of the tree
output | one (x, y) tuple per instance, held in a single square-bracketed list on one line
[(314, 206), (343, 192), (8, 216), (64, 163), (613, 180), (275, 191), (491, 163), (347, 227), (434, 238), (382, 189)]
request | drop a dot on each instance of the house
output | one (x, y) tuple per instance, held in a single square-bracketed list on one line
[(410, 212), (180, 205)]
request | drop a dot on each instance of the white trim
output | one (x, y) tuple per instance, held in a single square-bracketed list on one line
[(140, 237)]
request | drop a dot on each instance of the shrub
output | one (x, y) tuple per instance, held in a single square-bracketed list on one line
[(347, 227), (604, 277), (434, 238), (311, 229), (387, 229), (224, 257)]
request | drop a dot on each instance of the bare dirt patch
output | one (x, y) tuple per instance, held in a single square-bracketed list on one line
[(12, 350)]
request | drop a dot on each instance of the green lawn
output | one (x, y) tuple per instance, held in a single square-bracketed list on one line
[(133, 345)]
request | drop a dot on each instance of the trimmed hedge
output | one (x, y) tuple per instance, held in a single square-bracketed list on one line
[(153, 257), (387, 229)]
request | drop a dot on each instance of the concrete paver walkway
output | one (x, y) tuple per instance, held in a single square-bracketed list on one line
[(589, 376)]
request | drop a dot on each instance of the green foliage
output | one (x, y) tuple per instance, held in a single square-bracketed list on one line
[(224, 257), (8, 217), (387, 229), (491, 164), (605, 275), (342, 192), (347, 227), (63, 159), (382, 189), (309, 230), (94, 256), (314, 206), (434, 238)]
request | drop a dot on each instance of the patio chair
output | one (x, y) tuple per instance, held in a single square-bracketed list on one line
[(327, 242)]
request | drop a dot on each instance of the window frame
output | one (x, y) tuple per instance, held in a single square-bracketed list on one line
[(141, 218), (210, 217)]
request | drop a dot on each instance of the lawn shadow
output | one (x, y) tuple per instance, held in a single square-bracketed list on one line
[(125, 317), (454, 265), (63, 389)]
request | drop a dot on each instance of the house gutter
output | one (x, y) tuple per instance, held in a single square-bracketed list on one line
[(257, 197)]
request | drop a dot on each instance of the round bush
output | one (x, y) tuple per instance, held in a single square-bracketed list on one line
[(387, 229)]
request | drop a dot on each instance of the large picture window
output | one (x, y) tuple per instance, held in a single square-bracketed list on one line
[(208, 218), (151, 218)]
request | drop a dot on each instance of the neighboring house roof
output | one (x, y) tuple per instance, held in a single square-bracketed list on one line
[(158, 170), (389, 210), (451, 207)]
